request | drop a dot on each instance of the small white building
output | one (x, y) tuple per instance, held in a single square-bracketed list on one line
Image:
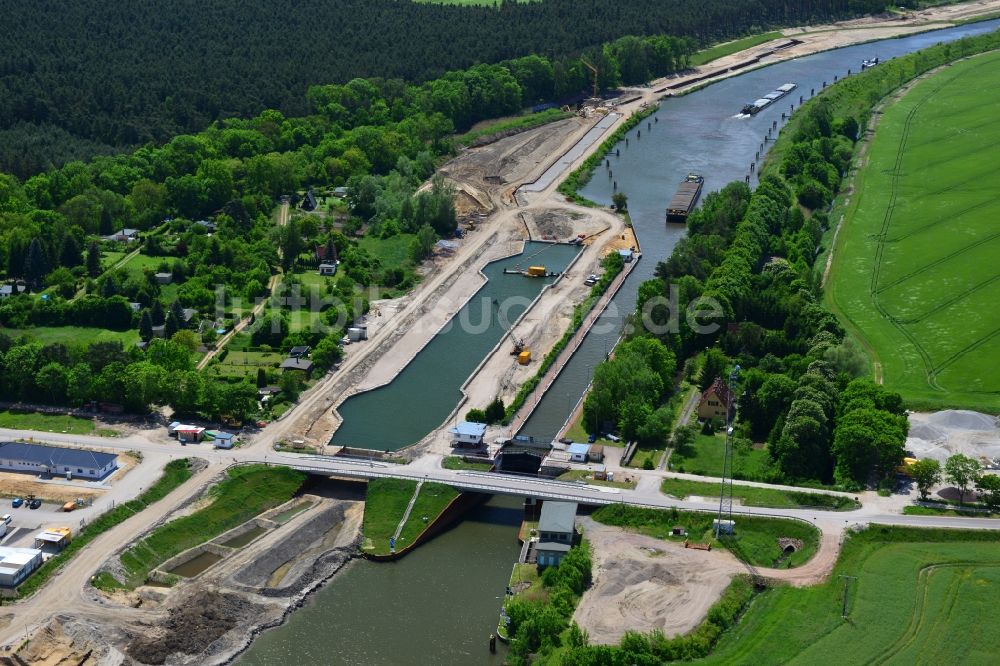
[(328, 268), (578, 452), (468, 433), (16, 564)]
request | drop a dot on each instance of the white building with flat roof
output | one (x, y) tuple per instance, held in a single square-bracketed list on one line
[(468, 433), (16, 564)]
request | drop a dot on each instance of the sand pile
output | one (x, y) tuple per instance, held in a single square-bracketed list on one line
[(942, 434)]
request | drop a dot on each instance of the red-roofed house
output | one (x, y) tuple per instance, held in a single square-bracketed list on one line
[(715, 401)]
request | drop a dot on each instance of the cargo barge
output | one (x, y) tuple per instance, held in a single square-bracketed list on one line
[(759, 105), (685, 198)]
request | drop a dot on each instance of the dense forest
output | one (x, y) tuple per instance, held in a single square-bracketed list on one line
[(89, 77)]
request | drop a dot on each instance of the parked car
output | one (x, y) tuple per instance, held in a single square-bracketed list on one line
[(6, 519), (16, 502), (591, 438), (613, 438), (34, 504)]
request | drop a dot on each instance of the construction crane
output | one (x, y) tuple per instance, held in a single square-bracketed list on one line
[(518, 342), (594, 70)]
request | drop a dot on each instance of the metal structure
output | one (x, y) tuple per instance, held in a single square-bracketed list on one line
[(726, 495), (595, 72)]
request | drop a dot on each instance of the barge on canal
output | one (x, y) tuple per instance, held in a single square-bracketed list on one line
[(685, 198), (759, 105)]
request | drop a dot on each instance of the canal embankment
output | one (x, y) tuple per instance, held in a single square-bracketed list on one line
[(429, 385)]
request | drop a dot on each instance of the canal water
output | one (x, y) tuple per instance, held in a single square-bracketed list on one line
[(437, 605), (696, 133), (420, 398)]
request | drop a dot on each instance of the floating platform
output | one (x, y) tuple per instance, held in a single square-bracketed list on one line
[(531, 273)]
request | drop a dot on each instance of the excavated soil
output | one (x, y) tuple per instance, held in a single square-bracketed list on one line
[(642, 584), (193, 624)]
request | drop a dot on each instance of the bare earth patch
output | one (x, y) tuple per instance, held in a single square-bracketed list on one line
[(642, 584)]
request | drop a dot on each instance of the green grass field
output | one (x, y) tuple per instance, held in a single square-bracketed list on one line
[(915, 270), (246, 363), (919, 597), (707, 454), (728, 48), (392, 251), (764, 497), (73, 335), (46, 422)]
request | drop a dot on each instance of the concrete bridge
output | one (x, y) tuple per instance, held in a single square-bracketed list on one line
[(646, 494)]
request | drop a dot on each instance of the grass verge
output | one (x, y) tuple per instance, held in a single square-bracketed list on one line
[(755, 540), (385, 504), (174, 474), (917, 510), (431, 501), (774, 498), (509, 126), (462, 463), (246, 492), (729, 48)]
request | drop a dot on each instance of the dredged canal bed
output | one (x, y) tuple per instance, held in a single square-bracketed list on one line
[(426, 390)]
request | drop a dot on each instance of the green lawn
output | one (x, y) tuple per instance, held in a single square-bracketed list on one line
[(46, 422), (763, 497), (721, 50), (706, 457), (392, 251), (73, 335), (755, 539), (431, 501), (137, 264), (914, 269), (919, 597), (457, 462), (245, 363), (385, 504), (248, 491)]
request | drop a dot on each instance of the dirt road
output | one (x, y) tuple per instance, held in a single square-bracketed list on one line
[(282, 220)]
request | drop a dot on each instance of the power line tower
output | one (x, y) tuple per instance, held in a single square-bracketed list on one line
[(726, 495)]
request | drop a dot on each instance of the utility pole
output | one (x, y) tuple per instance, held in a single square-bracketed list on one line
[(847, 583), (726, 494)]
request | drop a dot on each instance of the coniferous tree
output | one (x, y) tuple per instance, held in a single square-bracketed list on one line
[(93, 259), (69, 255), (146, 326), (36, 266), (157, 313)]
